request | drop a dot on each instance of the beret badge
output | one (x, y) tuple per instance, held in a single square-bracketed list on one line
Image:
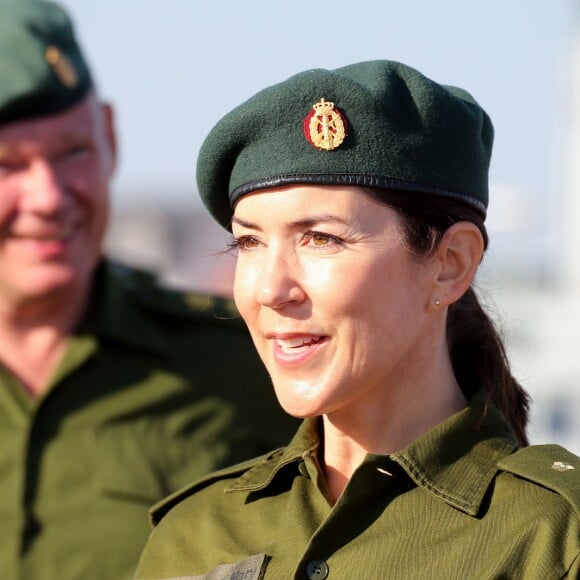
[(61, 66), (325, 126)]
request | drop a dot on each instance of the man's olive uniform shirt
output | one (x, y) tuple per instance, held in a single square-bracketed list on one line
[(156, 388), (460, 502)]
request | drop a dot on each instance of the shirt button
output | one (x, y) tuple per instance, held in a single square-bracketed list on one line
[(303, 469), (316, 570), (32, 527)]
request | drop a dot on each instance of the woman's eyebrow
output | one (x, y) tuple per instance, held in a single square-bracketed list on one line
[(244, 223), (300, 223)]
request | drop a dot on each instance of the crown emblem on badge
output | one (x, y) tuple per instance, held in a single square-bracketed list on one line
[(62, 67), (325, 126)]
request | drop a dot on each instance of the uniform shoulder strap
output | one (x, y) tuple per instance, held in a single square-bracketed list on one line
[(550, 466), (152, 295)]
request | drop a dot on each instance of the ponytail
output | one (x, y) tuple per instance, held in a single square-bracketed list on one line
[(479, 361), (476, 349)]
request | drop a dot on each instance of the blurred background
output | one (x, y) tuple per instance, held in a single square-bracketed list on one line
[(173, 68)]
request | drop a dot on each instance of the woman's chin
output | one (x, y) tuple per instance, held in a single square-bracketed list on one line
[(300, 400)]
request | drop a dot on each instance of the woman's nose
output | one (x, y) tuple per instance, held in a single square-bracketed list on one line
[(278, 283)]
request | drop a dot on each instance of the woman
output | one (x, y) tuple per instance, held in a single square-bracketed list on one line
[(356, 199)]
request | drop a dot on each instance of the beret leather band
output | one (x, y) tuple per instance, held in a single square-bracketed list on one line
[(374, 181)]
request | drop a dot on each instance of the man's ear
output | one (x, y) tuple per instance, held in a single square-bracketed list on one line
[(110, 132), (457, 258)]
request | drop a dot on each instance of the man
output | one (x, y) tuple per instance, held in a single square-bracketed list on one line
[(113, 392)]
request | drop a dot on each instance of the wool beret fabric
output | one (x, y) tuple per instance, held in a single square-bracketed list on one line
[(402, 130), (42, 68)]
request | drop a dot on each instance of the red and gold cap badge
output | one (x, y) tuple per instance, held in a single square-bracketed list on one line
[(325, 126)]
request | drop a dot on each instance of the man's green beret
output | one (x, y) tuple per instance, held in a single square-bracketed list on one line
[(377, 124), (42, 69)]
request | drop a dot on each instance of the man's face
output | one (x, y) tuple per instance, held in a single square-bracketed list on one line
[(54, 200)]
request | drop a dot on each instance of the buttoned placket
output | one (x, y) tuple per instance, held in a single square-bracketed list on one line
[(373, 485), (34, 439)]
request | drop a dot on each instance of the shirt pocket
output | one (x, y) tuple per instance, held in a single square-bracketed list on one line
[(126, 464), (146, 460), (252, 568)]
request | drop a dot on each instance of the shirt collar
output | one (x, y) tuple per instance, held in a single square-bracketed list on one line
[(305, 442), (455, 461), (113, 313)]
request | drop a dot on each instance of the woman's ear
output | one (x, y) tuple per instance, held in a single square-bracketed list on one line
[(458, 257)]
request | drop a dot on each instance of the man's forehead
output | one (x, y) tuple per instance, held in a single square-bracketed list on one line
[(76, 123)]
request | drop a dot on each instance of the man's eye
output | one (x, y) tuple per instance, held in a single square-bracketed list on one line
[(72, 152), (78, 150), (11, 166)]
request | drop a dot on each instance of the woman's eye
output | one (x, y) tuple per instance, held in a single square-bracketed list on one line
[(245, 243), (321, 239)]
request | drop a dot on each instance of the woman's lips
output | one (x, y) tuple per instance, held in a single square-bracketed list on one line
[(296, 349)]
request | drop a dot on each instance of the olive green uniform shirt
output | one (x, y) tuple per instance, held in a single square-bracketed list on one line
[(156, 388), (457, 503)]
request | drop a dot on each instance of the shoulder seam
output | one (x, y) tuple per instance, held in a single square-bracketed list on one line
[(159, 510), (550, 466)]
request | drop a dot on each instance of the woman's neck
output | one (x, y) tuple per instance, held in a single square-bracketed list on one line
[(387, 424)]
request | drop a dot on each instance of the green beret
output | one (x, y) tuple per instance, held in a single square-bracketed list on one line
[(42, 69), (377, 124)]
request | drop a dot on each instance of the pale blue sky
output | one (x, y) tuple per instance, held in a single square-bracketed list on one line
[(172, 68)]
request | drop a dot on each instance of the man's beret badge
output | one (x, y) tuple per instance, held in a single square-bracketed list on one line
[(61, 66), (325, 126)]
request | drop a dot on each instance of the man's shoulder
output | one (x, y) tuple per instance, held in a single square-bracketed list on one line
[(551, 467), (217, 480), (153, 297)]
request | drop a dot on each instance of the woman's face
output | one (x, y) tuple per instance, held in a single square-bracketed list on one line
[(335, 304)]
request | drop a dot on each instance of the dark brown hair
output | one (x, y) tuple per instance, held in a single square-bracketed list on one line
[(475, 346)]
